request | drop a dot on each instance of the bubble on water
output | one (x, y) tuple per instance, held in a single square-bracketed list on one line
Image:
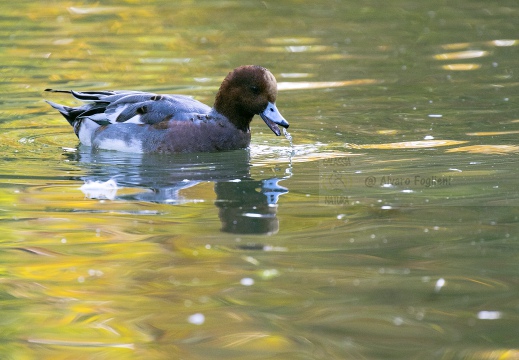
[(398, 321), (247, 281), (269, 274), (439, 284), (489, 315), (94, 272), (196, 319)]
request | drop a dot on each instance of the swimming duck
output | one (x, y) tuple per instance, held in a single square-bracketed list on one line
[(141, 122)]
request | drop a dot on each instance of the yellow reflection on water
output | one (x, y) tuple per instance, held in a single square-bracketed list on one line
[(497, 42), (469, 54), (408, 144), (492, 133), (324, 84), (487, 149), (93, 10), (291, 40), (501, 43), (297, 48), (461, 67), (456, 46), (387, 132), (259, 340)]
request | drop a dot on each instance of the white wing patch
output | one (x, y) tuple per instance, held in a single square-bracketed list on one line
[(135, 120), (112, 115), (86, 130), (133, 146), (97, 117)]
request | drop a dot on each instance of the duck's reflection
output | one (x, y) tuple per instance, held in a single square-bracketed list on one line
[(245, 205), (249, 207)]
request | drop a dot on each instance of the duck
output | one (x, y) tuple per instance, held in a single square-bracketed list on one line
[(142, 122)]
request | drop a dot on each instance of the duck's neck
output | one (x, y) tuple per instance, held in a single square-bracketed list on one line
[(226, 105)]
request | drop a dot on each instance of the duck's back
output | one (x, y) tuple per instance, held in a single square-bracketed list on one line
[(135, 107)]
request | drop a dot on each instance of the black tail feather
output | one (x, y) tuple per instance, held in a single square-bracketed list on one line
[(68, 112), (90, 95), (58, 91), (84, 95)]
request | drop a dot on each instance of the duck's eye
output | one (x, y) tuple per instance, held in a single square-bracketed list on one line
[(255, 90)]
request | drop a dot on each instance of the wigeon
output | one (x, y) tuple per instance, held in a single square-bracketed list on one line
[(134, 121)]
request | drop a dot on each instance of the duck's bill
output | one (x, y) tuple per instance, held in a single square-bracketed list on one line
[(273, 118)]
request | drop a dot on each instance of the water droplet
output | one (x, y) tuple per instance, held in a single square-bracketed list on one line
[(439, 284), (489, 315), (196, 319), (247, 281)]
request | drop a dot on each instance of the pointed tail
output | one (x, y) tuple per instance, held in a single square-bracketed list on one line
[(66, 111)]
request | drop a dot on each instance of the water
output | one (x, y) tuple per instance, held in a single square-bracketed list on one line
[(383, 226)]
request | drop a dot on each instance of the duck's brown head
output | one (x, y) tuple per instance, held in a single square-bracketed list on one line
[(247, 91)]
